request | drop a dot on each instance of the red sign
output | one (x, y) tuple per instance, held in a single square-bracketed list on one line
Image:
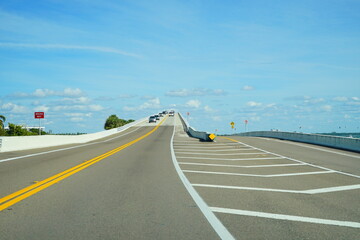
[(39, 114), (246, 121)]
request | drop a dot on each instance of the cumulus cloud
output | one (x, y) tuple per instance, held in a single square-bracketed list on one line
[(340, 99), (14, 108), (247, 88), (208, 109), (76, 119), (78, 114), (42, 93), (195, 92), (326, 108), (193, 103), (153, 103), (94, 107), (41, 109), (253, 104)]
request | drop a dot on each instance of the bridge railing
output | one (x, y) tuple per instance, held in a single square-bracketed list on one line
[(204, 136), (346, 143), (16, 143)]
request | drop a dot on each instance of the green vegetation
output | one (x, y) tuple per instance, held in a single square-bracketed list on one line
[(113, 122), (17, 130)]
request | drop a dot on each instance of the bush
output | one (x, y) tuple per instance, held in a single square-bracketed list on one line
[(113, 122)]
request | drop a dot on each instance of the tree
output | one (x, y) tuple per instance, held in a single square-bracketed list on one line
[(17, 130), (2, 120), (113, 122)]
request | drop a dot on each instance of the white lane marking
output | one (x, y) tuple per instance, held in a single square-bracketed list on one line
[(291, 159), (222, 154), (235, 159), (234, 147), (333, 189), (68, 148), (286, 217), (221, 150), (204, 144), (257, 175), (240, 166), (219, 228), (311, 191), (316, 148)]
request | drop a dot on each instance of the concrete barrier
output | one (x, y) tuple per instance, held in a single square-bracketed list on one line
[(17, 143), (346, 143), (204, 136)]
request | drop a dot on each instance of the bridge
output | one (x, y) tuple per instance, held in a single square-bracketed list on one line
[(154, 181)]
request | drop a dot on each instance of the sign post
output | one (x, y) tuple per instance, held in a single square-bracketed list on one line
[(246, 122), (232, 125), (39, 115)]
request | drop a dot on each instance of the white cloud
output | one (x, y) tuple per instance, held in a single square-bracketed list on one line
[(195, 92), (355, 98), (248, 88), (69, 47), (41, 109), (208, 109), (326, 108), (193, 103), (153, 103), (340, 99), (346, 116), (255, 119), (79, 100), (216, 118), (14, 108), (253, 104), (76, 119), (79, 107), (78, 114), (42, 93)]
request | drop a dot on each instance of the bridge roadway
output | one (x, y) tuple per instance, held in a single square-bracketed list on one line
[(123, 187)]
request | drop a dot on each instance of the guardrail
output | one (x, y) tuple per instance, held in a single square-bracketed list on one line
[(16, 143), (346, 143), (204, 136)]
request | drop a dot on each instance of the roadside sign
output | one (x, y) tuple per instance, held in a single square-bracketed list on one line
[(232, 123), (246, 121), (39, 115), (212, 136)]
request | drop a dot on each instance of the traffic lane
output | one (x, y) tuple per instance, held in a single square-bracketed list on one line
[(310, 155), (134, 194), (254, 228), (14, 154), (21, 173)]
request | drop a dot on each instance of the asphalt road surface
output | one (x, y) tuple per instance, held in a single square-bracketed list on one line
[(154, 182)]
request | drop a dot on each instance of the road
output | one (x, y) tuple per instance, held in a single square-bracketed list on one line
[(154, 182)]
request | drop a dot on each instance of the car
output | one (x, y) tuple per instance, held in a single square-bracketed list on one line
[(157, 117), (152, 119), (171, 113), (160, 114)]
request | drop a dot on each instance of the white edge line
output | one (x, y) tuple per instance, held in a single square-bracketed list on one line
[(286, 217), (222, 154), (220, 150), (316, 148), (240, 166), (68, 148), (235, 159), (311, 191), (292, 159), (257, 175), (219, 228)]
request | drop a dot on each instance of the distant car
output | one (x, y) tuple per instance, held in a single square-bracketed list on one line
[(165, 112), (171, 113), (157, 117), (152, 119), (160, 114)]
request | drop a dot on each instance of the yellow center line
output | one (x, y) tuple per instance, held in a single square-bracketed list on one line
[(15, 197)]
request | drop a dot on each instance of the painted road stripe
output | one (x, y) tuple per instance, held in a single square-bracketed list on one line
[(286, 217), (234, 147), (291, 159), (221, 154), (234, 159), (68, 148), (221, 150), (257, 175), (241, 166), (311, 191), (24, 193), (217, 225)]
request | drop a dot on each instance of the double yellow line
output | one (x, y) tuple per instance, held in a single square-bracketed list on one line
[(20, 195)]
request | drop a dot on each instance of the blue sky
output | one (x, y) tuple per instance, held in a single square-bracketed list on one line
[(287, 65)]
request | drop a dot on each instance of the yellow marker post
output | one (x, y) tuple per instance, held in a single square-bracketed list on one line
[(212, 136)]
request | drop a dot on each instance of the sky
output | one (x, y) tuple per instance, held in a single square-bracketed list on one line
[(280, 64)]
